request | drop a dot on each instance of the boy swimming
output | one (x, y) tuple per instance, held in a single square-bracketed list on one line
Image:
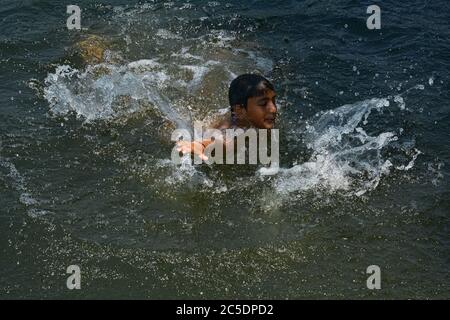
[(252, 105)]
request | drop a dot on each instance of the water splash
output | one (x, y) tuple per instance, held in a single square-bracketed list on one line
[(344, 156), (18, 183), (107, 91)]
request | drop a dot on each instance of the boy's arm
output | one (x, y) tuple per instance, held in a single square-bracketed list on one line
[(198, 147)]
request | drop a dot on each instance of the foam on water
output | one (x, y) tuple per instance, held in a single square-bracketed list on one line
[(18, 183), (344, 156), (108, 91)]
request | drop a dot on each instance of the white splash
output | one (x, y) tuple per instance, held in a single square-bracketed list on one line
[(107, 91), (18, 182), (344, 156)]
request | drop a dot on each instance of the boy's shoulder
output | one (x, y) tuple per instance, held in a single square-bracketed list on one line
[(223, 121)]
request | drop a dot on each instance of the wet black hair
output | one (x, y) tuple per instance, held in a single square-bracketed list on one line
[(247, 86)]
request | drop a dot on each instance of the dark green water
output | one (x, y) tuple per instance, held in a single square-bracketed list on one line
[(86, 177)]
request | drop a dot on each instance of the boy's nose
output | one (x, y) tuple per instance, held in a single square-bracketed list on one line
[(271, 107)]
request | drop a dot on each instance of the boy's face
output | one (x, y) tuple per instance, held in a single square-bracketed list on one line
[(262, 111)]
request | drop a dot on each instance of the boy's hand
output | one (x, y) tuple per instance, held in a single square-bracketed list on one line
[(195, 147)]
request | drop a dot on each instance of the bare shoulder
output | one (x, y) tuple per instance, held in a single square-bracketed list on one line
[(222, 122)]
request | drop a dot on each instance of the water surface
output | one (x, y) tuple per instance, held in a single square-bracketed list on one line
[(86, 176)]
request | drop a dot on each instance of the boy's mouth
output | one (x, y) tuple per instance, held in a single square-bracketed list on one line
[(270, 120)]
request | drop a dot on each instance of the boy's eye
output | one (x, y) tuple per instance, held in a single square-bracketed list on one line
[(264, 102)]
